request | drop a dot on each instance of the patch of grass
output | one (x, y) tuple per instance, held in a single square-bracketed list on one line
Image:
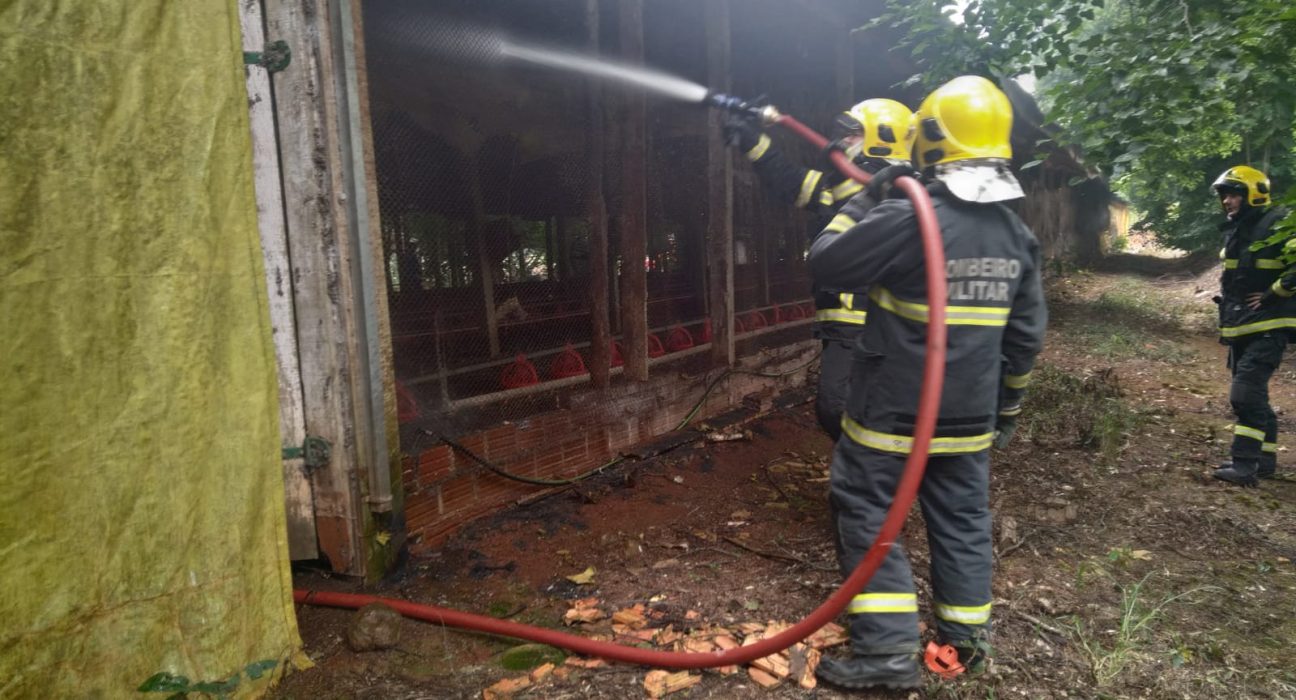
[(1114, 340), (537, 616), (1136, 302), (1181, 653), (528, 656), (1108, 658), (1134, 319), (1125, 556), (1082, 411), (1085, 570)]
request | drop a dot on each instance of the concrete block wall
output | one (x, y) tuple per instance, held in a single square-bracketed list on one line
[(445, 489)]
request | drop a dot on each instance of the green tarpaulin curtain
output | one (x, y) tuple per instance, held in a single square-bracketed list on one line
[(141, 497)]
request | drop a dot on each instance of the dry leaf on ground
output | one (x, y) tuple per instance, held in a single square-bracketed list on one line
[(583, 578), (659, 683)]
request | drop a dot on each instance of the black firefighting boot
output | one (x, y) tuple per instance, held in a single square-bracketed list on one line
[(1241, 472), (1268, 466), (974, 654), (893, 671)]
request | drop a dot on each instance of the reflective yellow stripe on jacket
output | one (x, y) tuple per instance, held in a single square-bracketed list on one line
[(954, 315), (1260, 264), (903, 444), (840, 192), (807, 188), (840, 223), (847, 188), (842, 316), (847, 313), (759, 149)]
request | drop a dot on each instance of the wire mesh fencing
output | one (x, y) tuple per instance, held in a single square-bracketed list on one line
[(483, 181)]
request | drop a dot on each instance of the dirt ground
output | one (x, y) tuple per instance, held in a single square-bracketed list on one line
[(1123, 570)]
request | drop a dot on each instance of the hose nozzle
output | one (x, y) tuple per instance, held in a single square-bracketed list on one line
[(728, 103), (766, 115)]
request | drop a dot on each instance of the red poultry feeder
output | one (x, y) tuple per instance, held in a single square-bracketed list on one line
[(755, 320), (776, 316), (706, 331), (617, 359), (567, 363), (655, 347), (519, 373), (794, 313), (678, 339), (407, 408)]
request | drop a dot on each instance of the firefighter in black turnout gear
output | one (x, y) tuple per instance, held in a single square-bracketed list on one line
[(875, 133), (1257, 312), (995, 318)]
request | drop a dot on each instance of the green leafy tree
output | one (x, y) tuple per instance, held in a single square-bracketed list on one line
[(1161, 95)]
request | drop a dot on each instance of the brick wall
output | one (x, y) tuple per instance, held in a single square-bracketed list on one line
[(445, 489)]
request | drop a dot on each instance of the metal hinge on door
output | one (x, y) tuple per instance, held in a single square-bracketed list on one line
[(314, 452), (275, 57)]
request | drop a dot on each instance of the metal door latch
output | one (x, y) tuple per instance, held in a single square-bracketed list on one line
[(274, 58), (314, 452)]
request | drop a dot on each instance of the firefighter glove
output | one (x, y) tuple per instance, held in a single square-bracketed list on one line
[(741, 132), (848, 145), (880, 186), (1003, 432)]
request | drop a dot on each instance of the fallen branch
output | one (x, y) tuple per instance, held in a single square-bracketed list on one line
[(770, 478), (778, 557), (1016, 546), (768, 555), (1040, 623), (515, 612), (717, 549)]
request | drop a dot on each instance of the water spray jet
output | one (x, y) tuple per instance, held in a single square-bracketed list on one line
[(663, 84)]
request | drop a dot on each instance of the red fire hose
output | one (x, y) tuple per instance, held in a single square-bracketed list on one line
[(928, 406), (849, 169)]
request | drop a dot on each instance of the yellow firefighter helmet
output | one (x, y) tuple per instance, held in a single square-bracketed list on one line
[(964, 133), (885, 127), (966, 118), (1244, 180)]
